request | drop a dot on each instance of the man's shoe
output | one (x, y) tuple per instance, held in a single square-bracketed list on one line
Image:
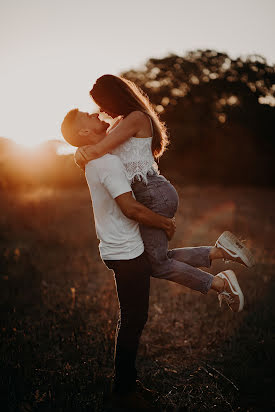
[(232, 293), (234, 249)]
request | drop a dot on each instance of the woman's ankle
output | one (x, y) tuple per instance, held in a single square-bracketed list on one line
[(217, 284), (215, 253)]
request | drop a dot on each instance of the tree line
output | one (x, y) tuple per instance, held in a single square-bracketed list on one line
[(220, 114)]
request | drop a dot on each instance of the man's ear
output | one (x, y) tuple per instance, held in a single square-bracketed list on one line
[(84, 132)]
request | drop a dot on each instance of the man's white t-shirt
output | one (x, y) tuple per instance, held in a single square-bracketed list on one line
[(119, 236)]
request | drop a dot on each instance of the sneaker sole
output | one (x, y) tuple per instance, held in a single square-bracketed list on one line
[(227, 239), (231, 277)]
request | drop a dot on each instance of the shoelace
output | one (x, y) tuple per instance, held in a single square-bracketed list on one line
[(225, 296)]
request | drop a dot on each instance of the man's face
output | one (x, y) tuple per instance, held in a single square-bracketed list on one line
[(91, 124)]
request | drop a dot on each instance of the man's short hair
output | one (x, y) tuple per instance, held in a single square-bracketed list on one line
[(69, 131)]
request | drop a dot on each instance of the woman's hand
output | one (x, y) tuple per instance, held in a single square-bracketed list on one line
[(170, 231), (79, 158), (83, 155)]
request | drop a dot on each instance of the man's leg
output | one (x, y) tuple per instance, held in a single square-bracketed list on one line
[(132, 279)]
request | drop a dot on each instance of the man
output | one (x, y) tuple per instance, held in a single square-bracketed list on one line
[(117, 215)]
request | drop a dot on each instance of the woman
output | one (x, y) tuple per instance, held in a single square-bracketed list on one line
[(139, 138)]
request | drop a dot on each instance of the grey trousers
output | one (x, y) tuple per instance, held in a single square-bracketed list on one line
[(177, 265)]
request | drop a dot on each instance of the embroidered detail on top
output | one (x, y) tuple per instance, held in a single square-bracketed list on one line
[(137, 158)]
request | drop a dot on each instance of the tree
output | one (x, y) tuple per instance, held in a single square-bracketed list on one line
[(219, 112)]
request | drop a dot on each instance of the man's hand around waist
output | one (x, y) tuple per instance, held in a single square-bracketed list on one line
[(171, 228), (141, 214)]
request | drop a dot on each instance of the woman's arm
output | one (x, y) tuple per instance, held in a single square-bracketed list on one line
[(115, 124), (126, 128)]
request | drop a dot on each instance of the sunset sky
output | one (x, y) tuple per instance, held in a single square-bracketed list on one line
[(53, 50)]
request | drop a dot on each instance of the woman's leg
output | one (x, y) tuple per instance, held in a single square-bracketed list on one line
[(199, 256), (166, 267), (177, 265), (161, 197), (132, 279)]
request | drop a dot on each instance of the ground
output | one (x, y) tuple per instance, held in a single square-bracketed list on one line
[(59, 308)]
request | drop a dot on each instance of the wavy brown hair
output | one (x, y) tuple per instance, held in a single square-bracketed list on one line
[(118, 96)]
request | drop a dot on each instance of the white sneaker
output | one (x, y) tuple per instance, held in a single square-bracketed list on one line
[(235, 249), (232, 293)]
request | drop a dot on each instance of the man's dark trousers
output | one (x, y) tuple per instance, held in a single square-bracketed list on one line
[(132, 279)]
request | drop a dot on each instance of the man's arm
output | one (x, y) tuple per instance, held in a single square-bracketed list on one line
[(141, 214), (112, 176)]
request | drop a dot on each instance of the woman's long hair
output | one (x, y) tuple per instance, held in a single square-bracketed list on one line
[(118, 96)]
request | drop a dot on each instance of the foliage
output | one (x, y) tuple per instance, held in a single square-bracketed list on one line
[(220, 112)]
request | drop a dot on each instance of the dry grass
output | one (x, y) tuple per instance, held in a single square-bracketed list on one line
[(59, 308)]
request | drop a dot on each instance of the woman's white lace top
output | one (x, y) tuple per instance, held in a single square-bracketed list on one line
[(137, 158)]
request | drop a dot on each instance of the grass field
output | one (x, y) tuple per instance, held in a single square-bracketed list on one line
[(59, 308)]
